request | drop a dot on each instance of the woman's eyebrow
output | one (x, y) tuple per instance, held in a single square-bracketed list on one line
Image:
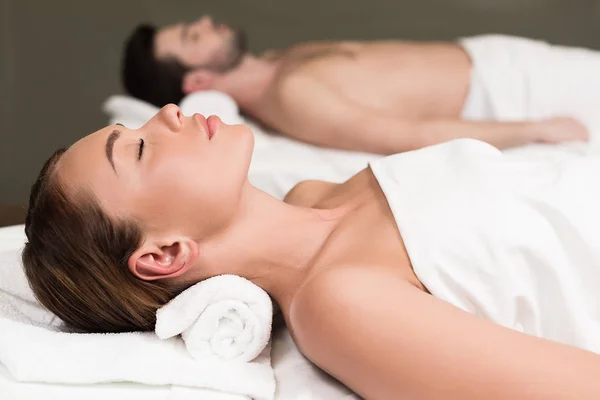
[(110, 144)]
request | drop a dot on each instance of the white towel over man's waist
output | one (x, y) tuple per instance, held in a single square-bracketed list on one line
[(516, 78)]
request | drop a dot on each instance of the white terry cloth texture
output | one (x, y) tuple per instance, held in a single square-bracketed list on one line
[(515, 78), (35, 354), (225, 317), (510, 240), (16, 299)]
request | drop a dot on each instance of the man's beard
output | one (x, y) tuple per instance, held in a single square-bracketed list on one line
[(237, 48)]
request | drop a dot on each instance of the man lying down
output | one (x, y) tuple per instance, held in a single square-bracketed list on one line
[(379, 96)]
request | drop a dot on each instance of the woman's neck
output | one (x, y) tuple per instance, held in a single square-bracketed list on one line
[(271, 243)]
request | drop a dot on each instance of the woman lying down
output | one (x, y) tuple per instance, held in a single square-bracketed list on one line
[(451, 272)]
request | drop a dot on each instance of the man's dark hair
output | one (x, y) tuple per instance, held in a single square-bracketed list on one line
[(156, 81)]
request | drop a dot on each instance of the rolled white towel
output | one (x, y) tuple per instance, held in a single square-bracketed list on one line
[(227, 317)]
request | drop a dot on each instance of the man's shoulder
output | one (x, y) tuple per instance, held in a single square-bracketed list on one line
[(296, 85), (311, 69), (294, 78)]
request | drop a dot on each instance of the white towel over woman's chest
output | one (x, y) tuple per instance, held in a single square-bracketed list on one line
[(510, 240)]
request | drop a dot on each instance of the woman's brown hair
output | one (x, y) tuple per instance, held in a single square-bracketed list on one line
[(75, 260)]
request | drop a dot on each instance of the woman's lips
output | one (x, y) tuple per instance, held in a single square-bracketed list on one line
[(203, 123), (213, 123)]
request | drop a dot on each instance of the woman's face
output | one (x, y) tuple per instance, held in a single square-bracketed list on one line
[(175, 174)]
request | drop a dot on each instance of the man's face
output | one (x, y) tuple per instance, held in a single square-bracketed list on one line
[(201, 43)]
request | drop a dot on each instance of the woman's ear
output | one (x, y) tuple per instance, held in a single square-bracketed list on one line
[(154, 261), (196, 80)]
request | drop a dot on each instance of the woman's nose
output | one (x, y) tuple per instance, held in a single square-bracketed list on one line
[(172, 117)]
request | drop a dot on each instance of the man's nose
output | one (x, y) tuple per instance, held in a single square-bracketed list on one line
[(206, 22)]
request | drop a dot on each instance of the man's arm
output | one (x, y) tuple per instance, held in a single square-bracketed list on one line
[(386, 339), (313, 112)]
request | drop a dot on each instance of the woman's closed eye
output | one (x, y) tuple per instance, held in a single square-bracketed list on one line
[(141, 149)]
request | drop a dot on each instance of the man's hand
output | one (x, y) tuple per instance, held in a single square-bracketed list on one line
[(560, 129)]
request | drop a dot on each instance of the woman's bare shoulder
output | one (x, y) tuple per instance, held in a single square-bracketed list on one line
[(332, 313), (385, 339), (318, 300)]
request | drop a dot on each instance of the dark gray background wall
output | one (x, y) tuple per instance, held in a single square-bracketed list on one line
[(59, 59)]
